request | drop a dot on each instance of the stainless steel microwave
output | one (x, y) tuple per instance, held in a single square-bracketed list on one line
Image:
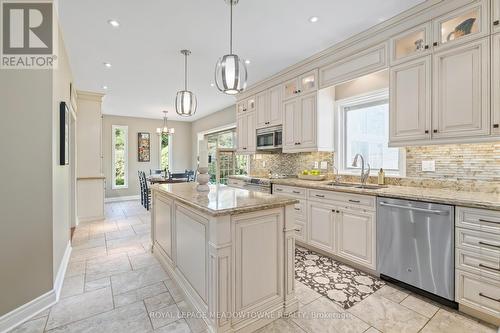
[(270, 138)]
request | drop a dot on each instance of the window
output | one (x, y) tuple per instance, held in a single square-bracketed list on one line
[(165, 154), (119, 157), (222, 155), (363, 127)]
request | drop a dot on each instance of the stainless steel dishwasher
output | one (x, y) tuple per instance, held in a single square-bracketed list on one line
[(415, 245)]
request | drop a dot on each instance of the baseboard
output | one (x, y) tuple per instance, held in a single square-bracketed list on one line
[(117, 199), (58, 282), (90, 219), (26, 311)]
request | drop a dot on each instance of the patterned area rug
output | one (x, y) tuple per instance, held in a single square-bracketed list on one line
[(342, 284)]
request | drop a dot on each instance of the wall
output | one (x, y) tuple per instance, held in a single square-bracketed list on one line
[(181, 150), (215, 120)]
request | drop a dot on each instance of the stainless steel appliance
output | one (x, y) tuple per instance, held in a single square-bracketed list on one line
[(270, 138), (415, 245)]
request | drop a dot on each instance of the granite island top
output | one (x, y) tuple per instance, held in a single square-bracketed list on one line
[(222, 200), (444, 196)]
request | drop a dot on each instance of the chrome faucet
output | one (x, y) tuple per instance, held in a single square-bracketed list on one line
[(364, 175)]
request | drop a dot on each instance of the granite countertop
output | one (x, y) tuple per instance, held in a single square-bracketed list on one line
[(444, 196), (222, 200)]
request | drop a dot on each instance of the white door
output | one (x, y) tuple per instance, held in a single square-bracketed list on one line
[(495, 127), (242, 133), (290, 109), (262, 110), (356, 237), (251, 133), (461, 86), (410, 101), (321, 227), (275, 104), (308, 113)]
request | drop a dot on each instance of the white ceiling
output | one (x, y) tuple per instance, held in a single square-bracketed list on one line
[(147, 68)]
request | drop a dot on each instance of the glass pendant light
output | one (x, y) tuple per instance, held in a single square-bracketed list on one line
[(165, 129), (185, 100), (230, 70)]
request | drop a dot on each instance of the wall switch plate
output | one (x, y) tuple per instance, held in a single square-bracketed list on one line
[(429, 166), (316, 165), (324, 165)]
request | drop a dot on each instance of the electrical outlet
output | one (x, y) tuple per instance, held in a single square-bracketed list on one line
[(324, 165), (316, 165), (429, 166)]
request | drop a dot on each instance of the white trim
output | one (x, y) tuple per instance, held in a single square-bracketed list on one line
[(125, 156), (118, 199), (202, 134), (372, 96), (27, 311), (61, 272), (170, 145)]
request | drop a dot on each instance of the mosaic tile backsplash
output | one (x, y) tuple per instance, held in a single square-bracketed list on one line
[(464, 167)]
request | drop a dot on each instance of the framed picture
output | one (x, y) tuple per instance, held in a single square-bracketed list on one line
[(64, 134), (144, 147)]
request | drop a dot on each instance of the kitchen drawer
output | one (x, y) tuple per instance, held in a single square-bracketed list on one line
[(478, 242), (294, 192), (343, 199), (300, 230), (235, 183), (301, 209), (478, 292), (478, 263), (478, 219)]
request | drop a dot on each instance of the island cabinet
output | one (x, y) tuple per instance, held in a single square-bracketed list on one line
[(230, 251)]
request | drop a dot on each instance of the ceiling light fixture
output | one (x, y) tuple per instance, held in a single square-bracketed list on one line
[(247, 62), (185, 100), (105, 87), (230, 70), (165, 129), (107, 64), (313, 19), (114, 23)]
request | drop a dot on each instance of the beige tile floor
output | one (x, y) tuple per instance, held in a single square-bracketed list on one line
[(113, 283)]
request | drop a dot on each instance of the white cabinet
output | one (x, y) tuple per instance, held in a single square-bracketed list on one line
[(410, 101), (413, 43), (163, 224), (356, 236), (495, 89), (461, 81), (301, 85), (495, 7), (321, 227), (245, 106), (268, 108), (245, 129)]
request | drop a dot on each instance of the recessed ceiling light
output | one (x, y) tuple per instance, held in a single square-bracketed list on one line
[(212, 85), (313, 19), (114, 23), (107, 64), (105, 87), (247, 62)]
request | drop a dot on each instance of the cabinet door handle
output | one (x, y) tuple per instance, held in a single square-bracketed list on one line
[(497, 22), (426, 47), (426, 131), (244, 148), (488, 244), (278, 189), (320, 195), (297, 208), (487, 221), (489, 267), (496, 125), (299, 91), (435, 44), (435, 131), (298, 230), (355, 201), (488, 297), (296, 192)]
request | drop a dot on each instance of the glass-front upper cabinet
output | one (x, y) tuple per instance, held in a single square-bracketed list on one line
[(303, 84), (308, 82), (411, 43), (461, 25), (290, 89)]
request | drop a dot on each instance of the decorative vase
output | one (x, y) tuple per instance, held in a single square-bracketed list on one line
[(203, 178)]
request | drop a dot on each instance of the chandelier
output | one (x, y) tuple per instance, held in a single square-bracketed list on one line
[(165, 129)]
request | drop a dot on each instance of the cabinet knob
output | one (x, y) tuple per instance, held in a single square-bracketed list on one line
[(497, 22), (496, 125), (435, 131), (299, 91), (244, 148), (426, 131), (426, 47), (435, 44)]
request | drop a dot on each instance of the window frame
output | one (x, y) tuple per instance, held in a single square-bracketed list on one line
[(125, 155), (170, 159), (340, 138)]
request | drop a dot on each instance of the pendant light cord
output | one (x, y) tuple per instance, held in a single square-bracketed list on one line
[(185, 71), (231, 27)]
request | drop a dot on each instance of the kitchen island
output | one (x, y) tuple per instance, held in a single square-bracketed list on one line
[(231, 251)]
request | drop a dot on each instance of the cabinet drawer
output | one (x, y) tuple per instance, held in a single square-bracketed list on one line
[(477, 292), (295, 192), (300, 230), (478, 242), (478, 263), (343, 199), (301, 209), (478, 219), (235, 183)]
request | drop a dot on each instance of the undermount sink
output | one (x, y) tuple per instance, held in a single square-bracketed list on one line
[(366, 186)]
